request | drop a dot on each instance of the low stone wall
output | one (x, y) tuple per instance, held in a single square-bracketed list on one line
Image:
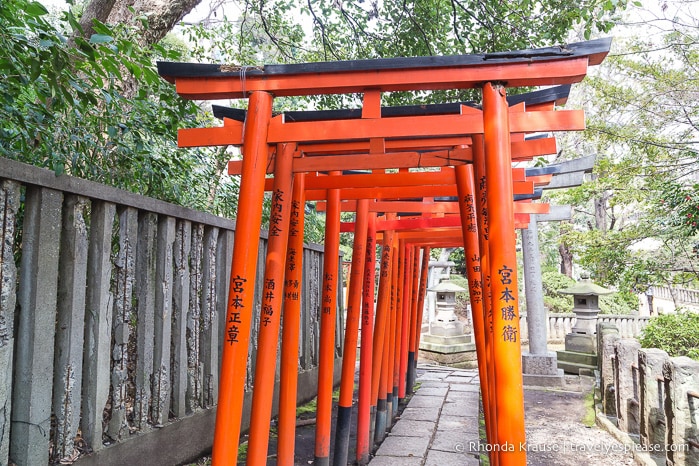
[(650, 396)]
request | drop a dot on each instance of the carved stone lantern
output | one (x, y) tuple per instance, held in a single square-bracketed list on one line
[(585, 304), (446, 343), (580, 354), (446, 322)]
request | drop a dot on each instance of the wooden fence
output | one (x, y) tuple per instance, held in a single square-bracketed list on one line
[(112, 308)]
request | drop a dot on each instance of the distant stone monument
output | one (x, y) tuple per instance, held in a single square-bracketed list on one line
[(581, 343), (446, 342)]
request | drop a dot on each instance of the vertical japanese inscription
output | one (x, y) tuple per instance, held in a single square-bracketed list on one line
[(368, 299), (476, 285), (267, 299), (292, 287), (507, 310), (328, 280), (232, 329), (275, 218), (484, 207)]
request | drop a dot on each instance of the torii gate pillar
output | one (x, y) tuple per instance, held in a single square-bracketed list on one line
[(509, 396)]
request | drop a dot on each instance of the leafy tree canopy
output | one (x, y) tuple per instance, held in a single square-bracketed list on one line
[(636, 221), (63, 105)]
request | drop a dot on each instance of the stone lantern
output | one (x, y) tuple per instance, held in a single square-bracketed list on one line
[(585, 304), (445, 321), (446, 343), (581, 344)]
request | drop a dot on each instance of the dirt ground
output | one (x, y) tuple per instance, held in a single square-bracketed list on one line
[(559, 431)]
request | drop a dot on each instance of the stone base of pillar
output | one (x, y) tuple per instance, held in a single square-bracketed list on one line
[(541, 370)]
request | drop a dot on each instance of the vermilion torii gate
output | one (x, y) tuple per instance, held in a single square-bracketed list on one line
[(490, 130), (356, 186)]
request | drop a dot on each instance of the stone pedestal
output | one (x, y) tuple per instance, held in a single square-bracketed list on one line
[(541, 370), (449, 350), (581, 343)]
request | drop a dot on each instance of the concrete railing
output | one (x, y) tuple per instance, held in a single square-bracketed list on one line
[(679, 295), (667, 299), (561, 324), (112, 313), (650, 396)]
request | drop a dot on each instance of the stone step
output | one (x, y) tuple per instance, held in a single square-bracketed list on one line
[(575, 368), (577, 358)]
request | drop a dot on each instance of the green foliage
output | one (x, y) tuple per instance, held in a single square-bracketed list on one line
[(96, 108), (459, 258), (619, 303), (270, 31), (553, 300), (462, 298), (680, 203), (677, 334)]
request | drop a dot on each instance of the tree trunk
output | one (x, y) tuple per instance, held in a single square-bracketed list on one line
[(162, 15), (96, 9), (566, 258), (601, 212)]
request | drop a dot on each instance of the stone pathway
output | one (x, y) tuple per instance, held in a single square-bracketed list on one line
[(439, 426)]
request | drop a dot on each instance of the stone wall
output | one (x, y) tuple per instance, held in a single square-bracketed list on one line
[(651, 397), (112, 310)]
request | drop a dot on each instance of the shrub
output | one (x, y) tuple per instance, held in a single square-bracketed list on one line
[(462, 298), (554, 301), (677, 334), (622, 302)]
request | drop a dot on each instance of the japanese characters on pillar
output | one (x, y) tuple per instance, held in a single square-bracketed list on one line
[(475, 285), (267, 299), (292, 288), (368, 298), (483, 205), (328, 282), (275, 218), (236, 304), (506, 304), (479, 171), (294, 231)]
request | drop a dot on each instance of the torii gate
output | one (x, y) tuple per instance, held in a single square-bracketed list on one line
[(379, 181), (491, 72)]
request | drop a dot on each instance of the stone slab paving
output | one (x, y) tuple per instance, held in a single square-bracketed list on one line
[(458, 423), (423, 401), (459, 379), (450, 441), (438, 425), (397, 461), (442, 458), (410, 428), (434, 390), (399, 446), (456, 397), (421, 414), (472, 387), (462, 408)]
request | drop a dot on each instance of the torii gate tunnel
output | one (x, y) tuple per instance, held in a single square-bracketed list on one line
[(341, 158)]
